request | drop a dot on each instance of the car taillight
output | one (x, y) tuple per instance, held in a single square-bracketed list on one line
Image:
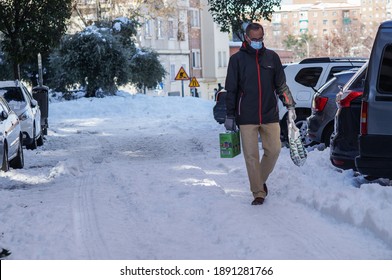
[(364, 118), (319, 103), (346, 101)]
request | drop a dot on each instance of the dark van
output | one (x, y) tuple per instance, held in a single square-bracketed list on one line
[(375, 139)]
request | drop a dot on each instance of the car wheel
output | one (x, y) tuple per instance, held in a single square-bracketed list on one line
[(5, 165), (33, 144), (18, 161)]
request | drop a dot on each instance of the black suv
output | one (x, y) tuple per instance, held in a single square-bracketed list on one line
[(344, 143)]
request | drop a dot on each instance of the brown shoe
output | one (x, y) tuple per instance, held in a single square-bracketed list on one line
[(265, 189), (258, 201)]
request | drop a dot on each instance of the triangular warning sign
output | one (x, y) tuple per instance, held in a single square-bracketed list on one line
[(194, 83), (182, 75)]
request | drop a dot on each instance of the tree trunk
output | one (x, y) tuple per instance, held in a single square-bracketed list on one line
[(16, 71)]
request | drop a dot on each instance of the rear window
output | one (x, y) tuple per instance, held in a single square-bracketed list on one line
[(359, 83), (385, 80), (338, 69), (309, 76), (334, 84)]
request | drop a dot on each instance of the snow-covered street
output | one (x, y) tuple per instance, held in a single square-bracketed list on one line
[(140, 177)]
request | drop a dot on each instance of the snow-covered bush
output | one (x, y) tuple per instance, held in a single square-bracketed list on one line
[(93, 59), (103, 57)]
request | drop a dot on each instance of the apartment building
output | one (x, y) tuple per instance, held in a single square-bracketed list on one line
[(373, 12), (323, 23)]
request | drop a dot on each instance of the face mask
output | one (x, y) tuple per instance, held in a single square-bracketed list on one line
[(256, 45)]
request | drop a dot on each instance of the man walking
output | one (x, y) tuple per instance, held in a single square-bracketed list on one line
[(254, 78)]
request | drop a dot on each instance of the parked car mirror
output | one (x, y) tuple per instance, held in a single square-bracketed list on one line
[(34, 103), (3, 115)]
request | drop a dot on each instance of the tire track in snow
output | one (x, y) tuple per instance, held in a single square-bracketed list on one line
[(87, 229)]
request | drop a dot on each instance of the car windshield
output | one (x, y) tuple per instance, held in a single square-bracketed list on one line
[(13, 95)]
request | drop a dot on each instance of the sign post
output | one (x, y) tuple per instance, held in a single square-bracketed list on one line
[(181, 76)]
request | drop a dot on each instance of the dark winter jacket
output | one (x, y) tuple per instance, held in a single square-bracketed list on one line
[(254, 80)]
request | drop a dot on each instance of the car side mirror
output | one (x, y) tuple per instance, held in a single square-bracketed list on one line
[(34, 103), (3, 115)]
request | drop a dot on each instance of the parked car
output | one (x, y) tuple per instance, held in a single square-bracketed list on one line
[(26, 107), (11, 138), (344, 143), (375, 150), (304, 79), (321, 121)]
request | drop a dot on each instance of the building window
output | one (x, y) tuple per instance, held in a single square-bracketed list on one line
[(222, 60), (170, 29), (196, 59), (195, 18), (159, 29), (172, 72), (181, 31), (148, 28)]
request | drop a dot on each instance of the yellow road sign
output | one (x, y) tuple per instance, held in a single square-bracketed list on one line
[(194, 83), (182, 75)]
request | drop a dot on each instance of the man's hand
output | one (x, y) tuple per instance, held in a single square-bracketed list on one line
[(291, 114), (230, 123)]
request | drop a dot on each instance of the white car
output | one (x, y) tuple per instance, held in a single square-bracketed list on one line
[(26, 107), (11, 138)]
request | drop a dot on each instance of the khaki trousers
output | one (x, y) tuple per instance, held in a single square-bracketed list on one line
[(258, 171)]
